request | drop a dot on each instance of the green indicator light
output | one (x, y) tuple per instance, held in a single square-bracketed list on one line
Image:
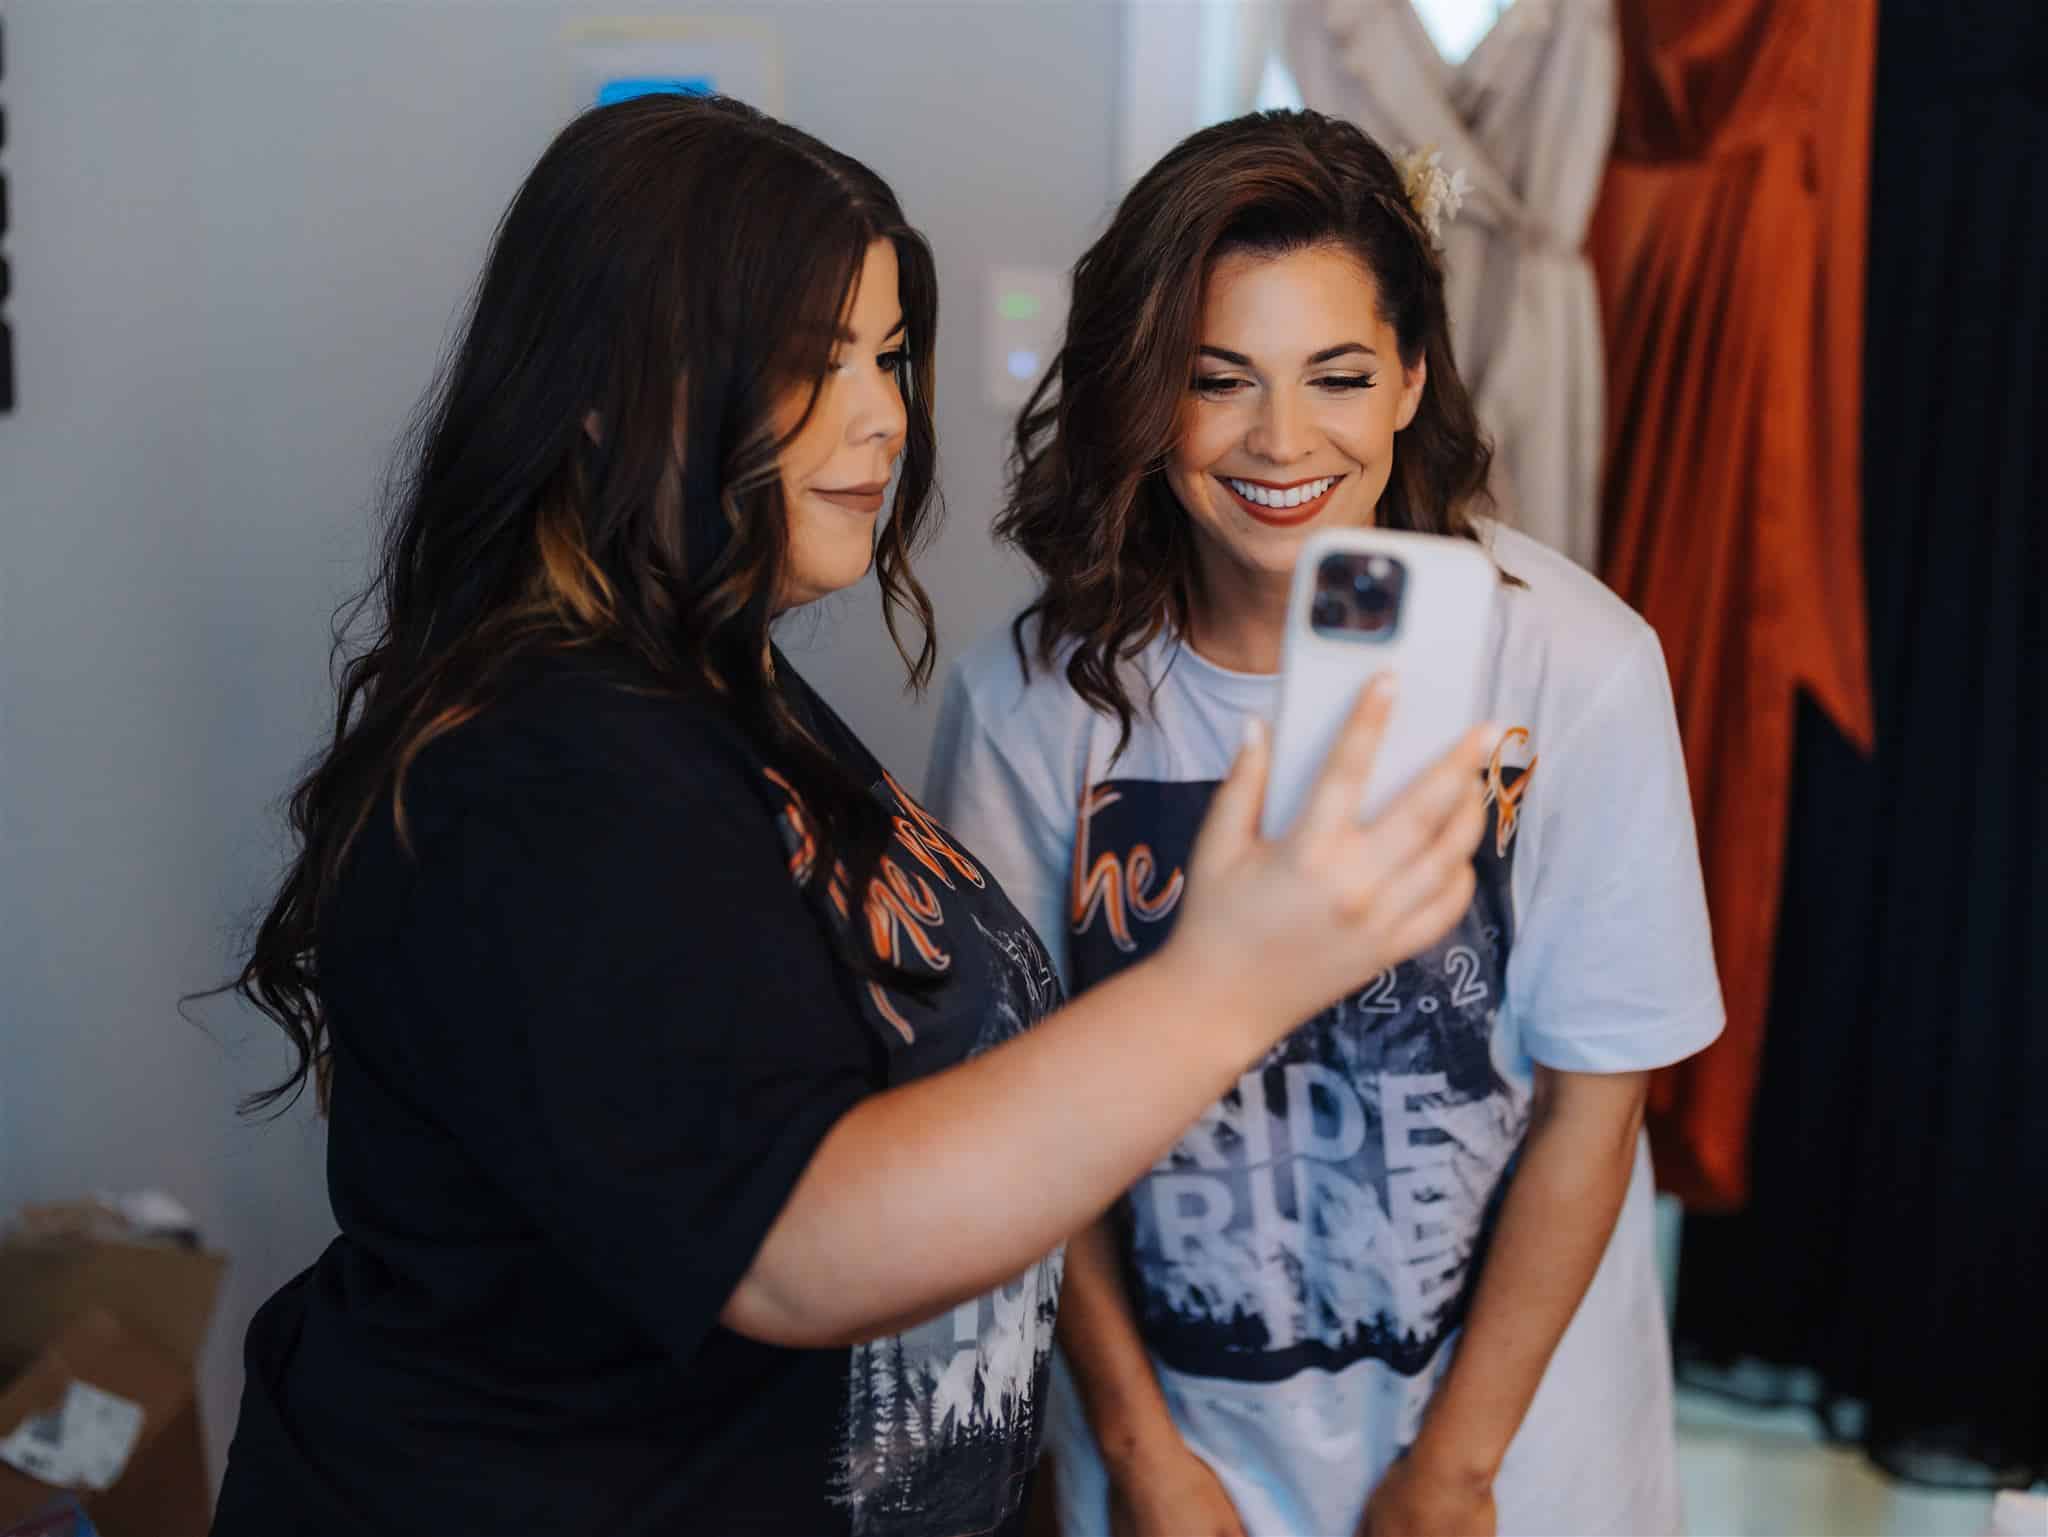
[(1014, 306)]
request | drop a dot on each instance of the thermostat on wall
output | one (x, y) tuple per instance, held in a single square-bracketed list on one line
[(1023, 323)]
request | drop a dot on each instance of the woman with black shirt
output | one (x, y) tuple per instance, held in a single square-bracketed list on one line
[(694, 1167)]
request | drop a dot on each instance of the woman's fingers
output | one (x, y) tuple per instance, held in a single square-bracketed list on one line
[(1419, 814), (1340, 787), (1421, 876), (1232, 823)]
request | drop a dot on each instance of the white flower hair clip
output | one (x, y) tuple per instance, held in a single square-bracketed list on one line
[(1435, 194)]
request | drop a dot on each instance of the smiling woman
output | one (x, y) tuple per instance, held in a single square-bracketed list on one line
[(1289, 431), (1254, 323), (1376, 1238)]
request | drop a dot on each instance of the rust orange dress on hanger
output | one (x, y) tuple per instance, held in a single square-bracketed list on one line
[(1728, 246)]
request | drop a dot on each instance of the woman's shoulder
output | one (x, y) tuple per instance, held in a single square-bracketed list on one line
[(580, 721), (1558, 608), (1571, 656), (1557, 592), (566, 764), (1007, 705), (1005, 683)]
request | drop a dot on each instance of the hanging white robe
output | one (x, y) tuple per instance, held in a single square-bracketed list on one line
[(1528, 116)]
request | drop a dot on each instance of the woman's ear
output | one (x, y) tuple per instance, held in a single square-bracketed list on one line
[(1412, 382)]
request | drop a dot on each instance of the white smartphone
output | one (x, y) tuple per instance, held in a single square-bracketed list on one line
[(1367, 601)]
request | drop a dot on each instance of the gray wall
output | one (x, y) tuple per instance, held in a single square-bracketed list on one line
[(240, 234)]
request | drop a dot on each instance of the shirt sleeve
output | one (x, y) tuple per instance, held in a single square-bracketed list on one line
[(1614, 967), (1000, 800), (635, 1022)]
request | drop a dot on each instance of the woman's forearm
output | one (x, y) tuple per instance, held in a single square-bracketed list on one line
[(923, 1196), (1111, 1367)]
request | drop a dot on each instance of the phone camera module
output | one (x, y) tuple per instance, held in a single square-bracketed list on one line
[(1358, 597)]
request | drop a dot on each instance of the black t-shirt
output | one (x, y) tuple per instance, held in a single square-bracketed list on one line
[(587, 1035)]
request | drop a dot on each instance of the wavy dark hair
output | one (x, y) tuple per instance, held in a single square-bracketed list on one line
[(597, 465), (1089, 504)]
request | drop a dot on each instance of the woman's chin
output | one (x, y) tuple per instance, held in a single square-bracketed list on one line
[(817, 580)]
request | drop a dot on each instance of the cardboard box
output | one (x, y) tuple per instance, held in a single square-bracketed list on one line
[(82, 1301)]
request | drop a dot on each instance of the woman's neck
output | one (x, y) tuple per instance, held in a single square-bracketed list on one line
[(1239, 620)]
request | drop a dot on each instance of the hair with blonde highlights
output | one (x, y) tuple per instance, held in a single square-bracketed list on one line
[(598, 465)]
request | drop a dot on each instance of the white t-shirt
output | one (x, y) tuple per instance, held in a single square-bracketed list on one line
[(1301, 1261)]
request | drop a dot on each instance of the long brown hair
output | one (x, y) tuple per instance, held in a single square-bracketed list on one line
[(1089, 505), (597, 465)]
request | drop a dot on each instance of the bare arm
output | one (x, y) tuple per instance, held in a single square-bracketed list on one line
[(1554, 1227), (937, 1191), (1158, 1486), (1111, 1368)]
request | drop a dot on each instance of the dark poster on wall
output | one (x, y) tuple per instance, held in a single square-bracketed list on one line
[(6, 333)]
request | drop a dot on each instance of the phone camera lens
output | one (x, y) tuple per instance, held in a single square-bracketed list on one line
[(1328, 613)]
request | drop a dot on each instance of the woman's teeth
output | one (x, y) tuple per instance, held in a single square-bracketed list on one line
[(1269, 496)]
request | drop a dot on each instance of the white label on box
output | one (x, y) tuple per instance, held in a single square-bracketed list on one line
[(82, 1445)]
